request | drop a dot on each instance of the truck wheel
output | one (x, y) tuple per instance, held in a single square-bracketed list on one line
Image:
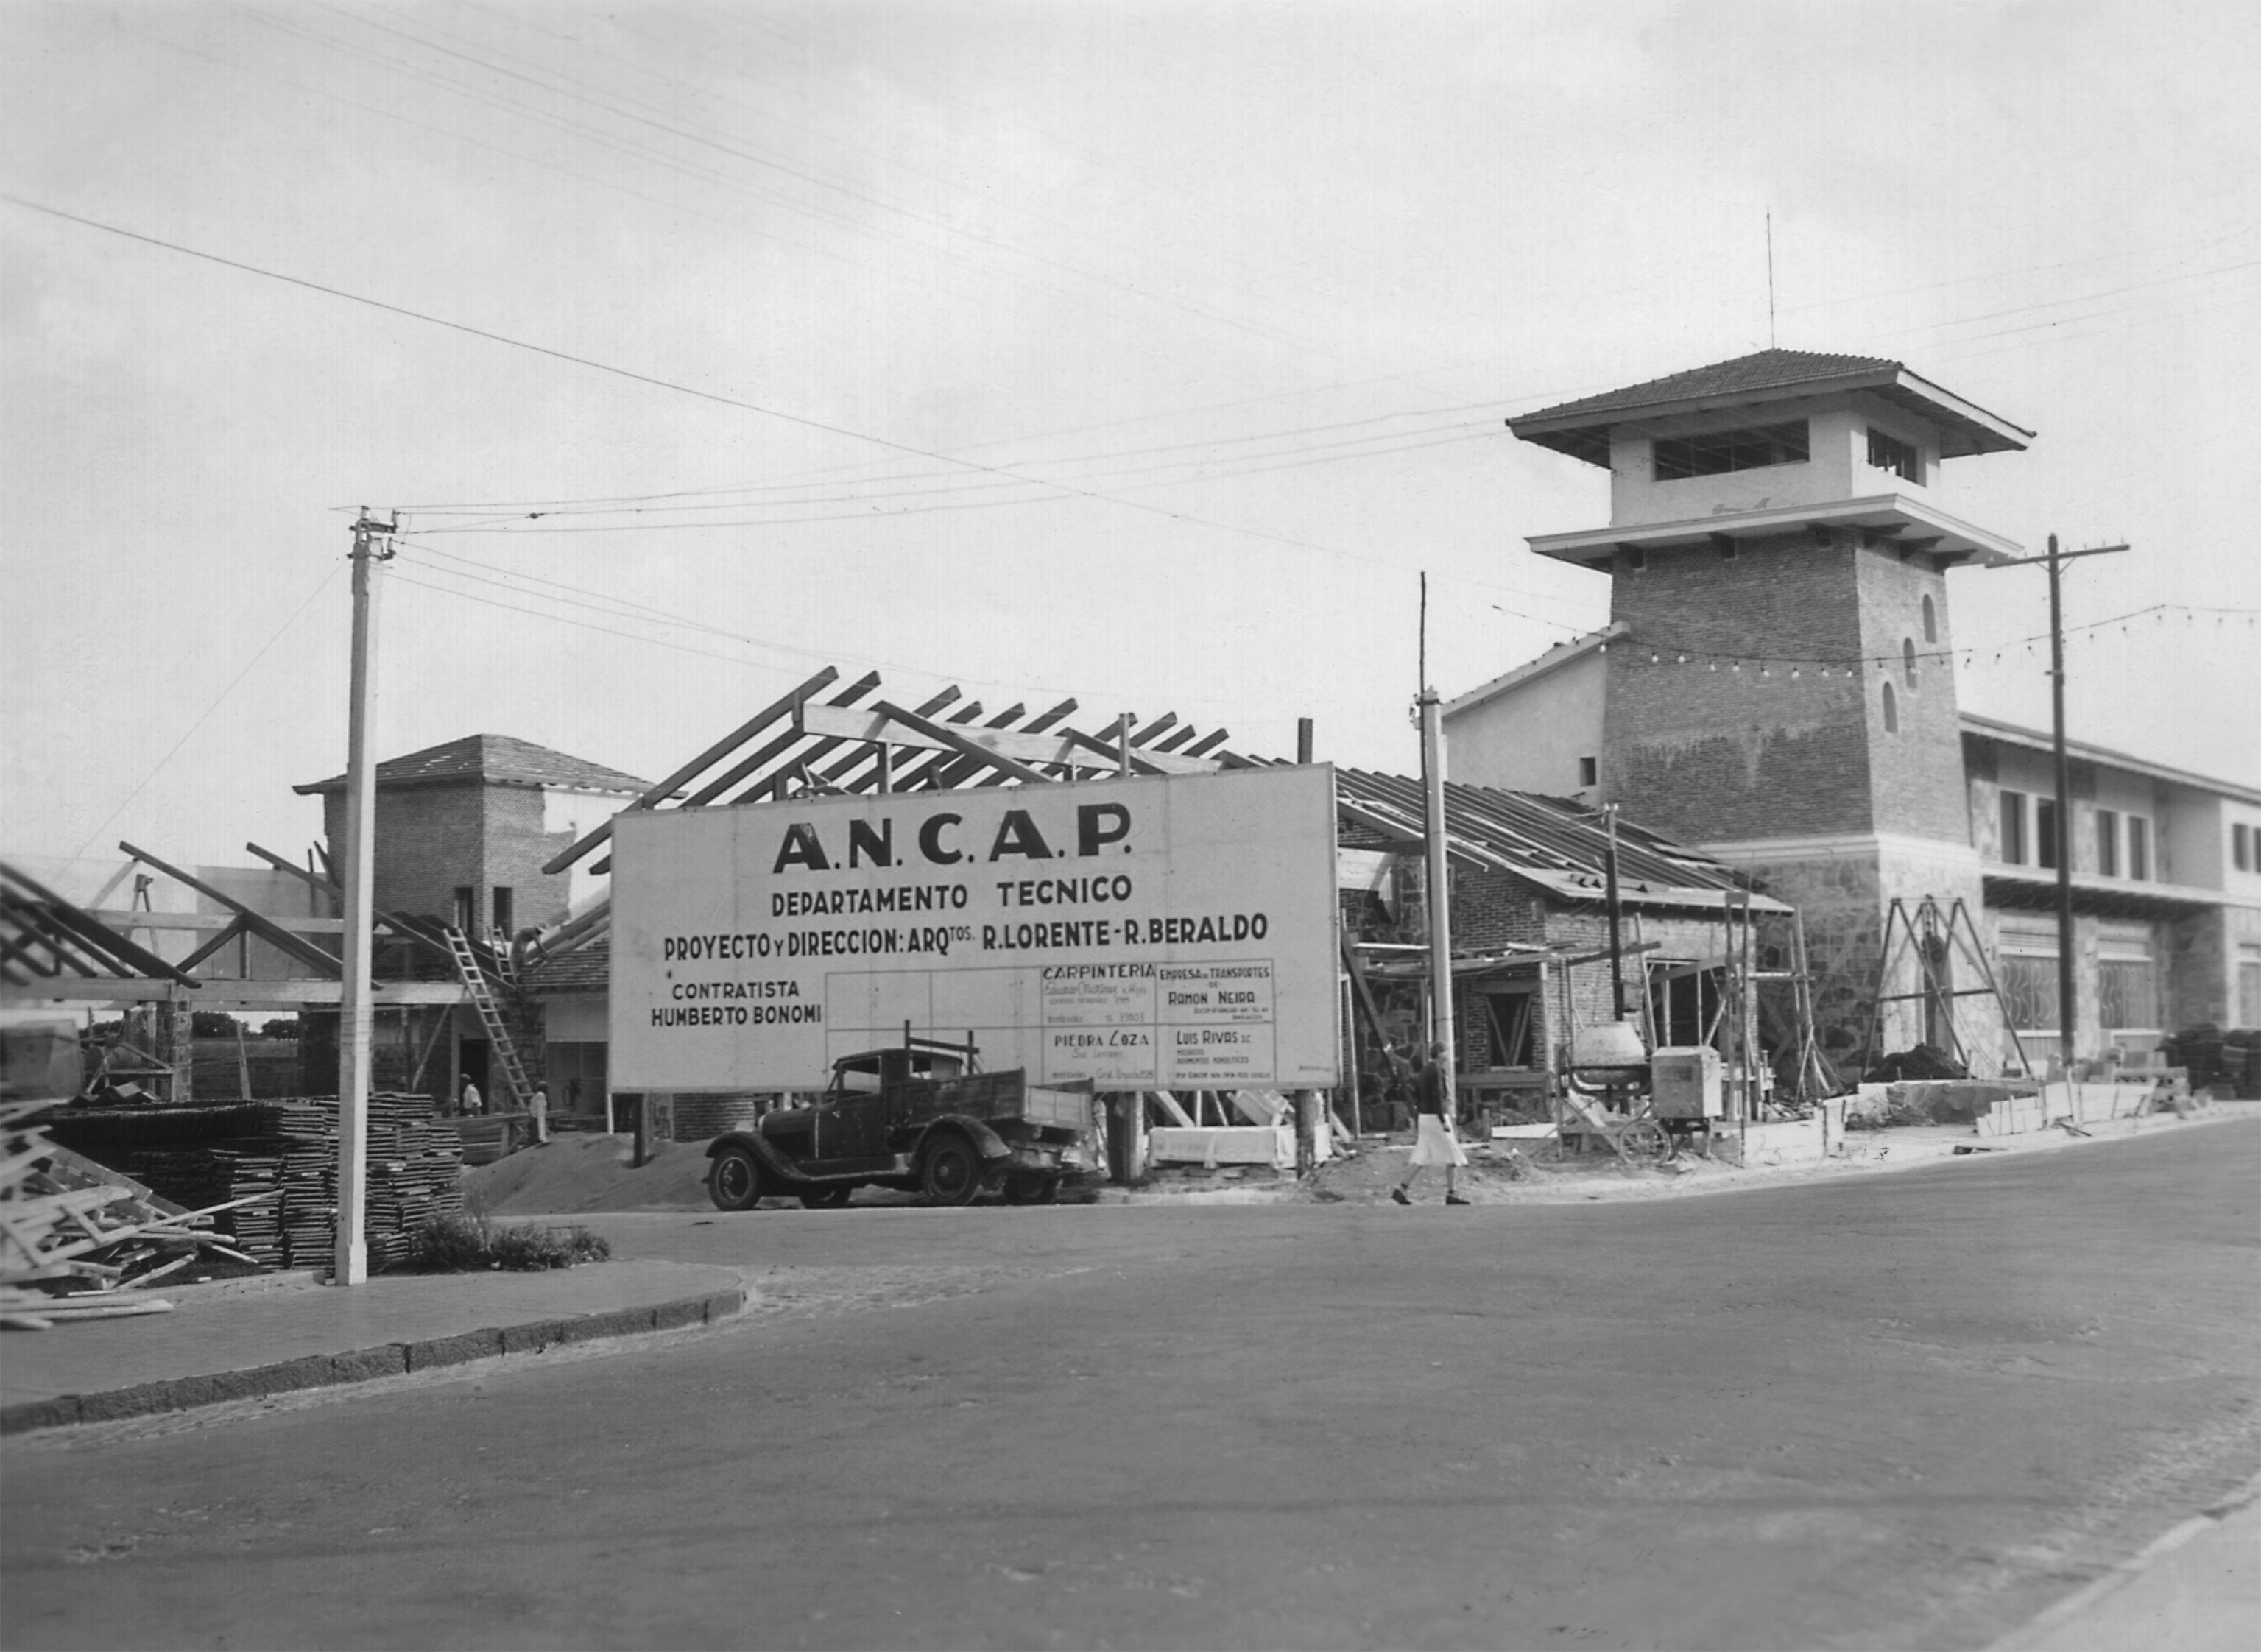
[(952, 1172), (733, 1181), (826, 1198), (1031, 1190)]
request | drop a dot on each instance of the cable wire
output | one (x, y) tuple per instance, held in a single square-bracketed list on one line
[(204, 716)]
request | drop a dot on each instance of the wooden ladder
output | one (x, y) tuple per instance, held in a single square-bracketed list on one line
[(482, 1000)]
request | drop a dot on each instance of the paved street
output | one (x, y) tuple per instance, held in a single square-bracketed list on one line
[(1903, 1411)]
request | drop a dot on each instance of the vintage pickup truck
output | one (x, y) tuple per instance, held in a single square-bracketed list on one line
[(918, 1116)]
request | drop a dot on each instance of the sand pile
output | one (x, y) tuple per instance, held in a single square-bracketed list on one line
[(576, 1173)]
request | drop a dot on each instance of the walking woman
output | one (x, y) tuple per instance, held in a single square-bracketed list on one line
[(1434, 1142)]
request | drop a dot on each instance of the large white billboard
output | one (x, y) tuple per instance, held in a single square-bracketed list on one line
[(1159, 933)]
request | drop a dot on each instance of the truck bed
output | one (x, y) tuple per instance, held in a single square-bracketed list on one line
[(998, 1098)]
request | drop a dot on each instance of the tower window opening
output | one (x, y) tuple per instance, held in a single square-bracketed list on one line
[(1907, 659), (1903, 459), (1712, 453), (1930, 622), (1589, 771), (1892, 711)]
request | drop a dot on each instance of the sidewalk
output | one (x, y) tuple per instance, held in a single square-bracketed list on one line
[(276, 1332), (2197, 1589)]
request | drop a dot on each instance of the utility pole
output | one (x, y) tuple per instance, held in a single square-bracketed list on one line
[(1617, 912), (1441, 920), (372, 547), (2068, 1013)]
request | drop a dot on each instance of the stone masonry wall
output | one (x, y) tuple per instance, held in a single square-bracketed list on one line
[(1844, 901)]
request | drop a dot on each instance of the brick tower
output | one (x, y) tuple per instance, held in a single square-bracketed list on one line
[(1777, 682)]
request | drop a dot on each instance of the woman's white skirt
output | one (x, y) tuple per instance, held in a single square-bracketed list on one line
[(1436, 1144)]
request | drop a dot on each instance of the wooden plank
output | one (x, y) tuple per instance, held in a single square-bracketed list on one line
[(199, 921), (233, 928), (1066, 746), (698, 765), (964, 743), (104, 941), (280, 864), (231, 994), (1170, 1106), (320, 962)]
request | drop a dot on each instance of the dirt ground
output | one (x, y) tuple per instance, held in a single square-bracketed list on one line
[(575, 1174), (580, 1175)]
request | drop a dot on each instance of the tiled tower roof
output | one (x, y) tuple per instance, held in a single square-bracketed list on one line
[(496, 759)]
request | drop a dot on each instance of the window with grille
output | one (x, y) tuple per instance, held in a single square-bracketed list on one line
[(1677, 458), (1903, 459), (2045, 831), (2029, 988), (2128, 994), (2139, 848), (2108, 843)]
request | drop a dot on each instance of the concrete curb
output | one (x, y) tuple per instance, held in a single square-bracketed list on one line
[(363, 1365), (2126, 1573)]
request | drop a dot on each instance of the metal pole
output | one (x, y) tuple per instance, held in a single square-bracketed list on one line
[(349, 1258), (1617, 912), (2067, 1009), (1440, 922)]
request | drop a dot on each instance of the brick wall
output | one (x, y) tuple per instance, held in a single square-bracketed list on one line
[(1702, 750), (1718, 747), (1915, 775), (431, 839), (427, 842), (515, 847)]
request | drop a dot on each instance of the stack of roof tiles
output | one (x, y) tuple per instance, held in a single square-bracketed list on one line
[(203, 1156)]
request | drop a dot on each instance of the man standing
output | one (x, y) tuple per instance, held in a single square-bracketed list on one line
[(468, 1104), (1434, 1142)]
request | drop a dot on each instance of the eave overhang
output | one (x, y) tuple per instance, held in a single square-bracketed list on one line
[(2019, 891), (1881, 519), (1964, 428)]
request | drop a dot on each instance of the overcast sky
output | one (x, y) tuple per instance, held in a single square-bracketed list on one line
[(1140, 353)]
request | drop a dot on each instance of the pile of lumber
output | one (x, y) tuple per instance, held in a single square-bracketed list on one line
[(275, 1164), (73, 1232)]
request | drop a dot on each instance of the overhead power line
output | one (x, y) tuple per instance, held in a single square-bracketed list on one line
[(657, 383)]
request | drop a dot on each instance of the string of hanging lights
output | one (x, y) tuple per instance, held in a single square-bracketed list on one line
[(1666, 651)]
